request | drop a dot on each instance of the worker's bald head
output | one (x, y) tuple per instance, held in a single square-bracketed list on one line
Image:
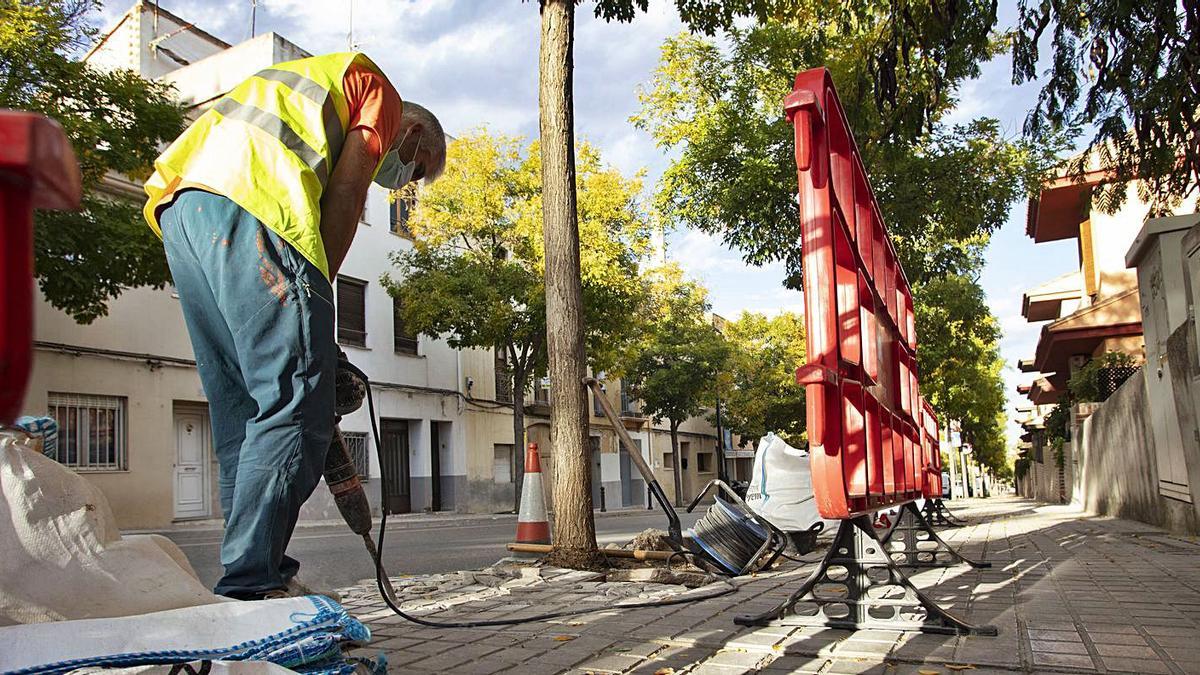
[(418, 124)]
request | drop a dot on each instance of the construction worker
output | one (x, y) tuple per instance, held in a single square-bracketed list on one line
[(257, 203)]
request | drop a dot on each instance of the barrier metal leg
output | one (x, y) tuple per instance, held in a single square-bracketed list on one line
[(858, 586), (937, 514), (912, 542)]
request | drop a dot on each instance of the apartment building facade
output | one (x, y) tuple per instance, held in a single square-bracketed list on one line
[(1104, 306), (133, 415)]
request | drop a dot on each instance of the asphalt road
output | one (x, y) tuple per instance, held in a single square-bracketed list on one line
[(333, 557)]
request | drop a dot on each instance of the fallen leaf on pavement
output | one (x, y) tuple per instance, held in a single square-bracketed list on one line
[(665, 671), (929, 672), (564, 638), (960, 666)]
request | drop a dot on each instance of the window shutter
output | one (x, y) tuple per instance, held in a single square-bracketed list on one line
[(405, 342), (352, 311)]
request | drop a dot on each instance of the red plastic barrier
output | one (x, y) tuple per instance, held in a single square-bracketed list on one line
[(37, 171), (868, 427), (931, 446)]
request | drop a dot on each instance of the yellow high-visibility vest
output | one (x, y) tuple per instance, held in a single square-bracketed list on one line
[(269, 145)]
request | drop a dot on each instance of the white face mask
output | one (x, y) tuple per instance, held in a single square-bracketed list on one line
[(393, 173)]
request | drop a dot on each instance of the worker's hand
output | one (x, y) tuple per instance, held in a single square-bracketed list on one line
[(350, 390)]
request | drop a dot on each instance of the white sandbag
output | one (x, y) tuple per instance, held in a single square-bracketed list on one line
[(62, 557), (192, 668), (781, 486), (308, 633)]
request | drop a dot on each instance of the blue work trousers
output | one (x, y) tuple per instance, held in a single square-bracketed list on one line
[(261, 320)]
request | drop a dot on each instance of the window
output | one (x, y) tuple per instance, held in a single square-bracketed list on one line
[(541, 391), (504, 384), (401, 210), (91, 431), (351, 311), (405, 342), (356, 445), (704, 462), (597, 409), (502, 463), (628, 406), (669, 461)]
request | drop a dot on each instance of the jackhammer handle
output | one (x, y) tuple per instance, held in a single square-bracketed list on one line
[(635, 455)]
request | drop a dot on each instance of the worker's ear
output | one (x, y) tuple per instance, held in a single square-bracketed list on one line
[(414, 132)]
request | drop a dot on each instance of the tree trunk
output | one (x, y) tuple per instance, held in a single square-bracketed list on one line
[(518, 459), (675, 468), (574, 528)]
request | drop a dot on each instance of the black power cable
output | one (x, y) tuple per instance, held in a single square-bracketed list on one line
[(388, 593)]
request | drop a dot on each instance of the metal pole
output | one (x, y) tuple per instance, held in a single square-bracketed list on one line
[(722, 470)]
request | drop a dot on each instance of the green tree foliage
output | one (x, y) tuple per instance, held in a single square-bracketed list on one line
[(1127, 71), (673, 368), (959, 362), (475, 272), (1084, 384), (116, 122), (758, 388), (942, 189)]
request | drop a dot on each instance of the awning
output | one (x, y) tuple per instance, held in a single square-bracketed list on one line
[(1044, 392), (1082, 331), (1044, 302), (1061, 206)]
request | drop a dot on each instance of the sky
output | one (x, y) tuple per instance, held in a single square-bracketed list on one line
[(474, 63)]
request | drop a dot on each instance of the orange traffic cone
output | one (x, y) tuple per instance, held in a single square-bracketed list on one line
[(532, 524)]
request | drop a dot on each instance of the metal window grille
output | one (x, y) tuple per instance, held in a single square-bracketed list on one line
[(541, 393), (629, 406), (356, 445), (92, 433), (504, 380)]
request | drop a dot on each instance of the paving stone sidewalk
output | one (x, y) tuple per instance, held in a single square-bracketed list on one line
[(1069, 593)]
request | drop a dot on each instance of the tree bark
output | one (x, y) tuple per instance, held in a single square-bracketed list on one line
[(518, 459), (675, 463), (574, 527)]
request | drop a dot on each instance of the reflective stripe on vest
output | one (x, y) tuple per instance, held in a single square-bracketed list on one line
[(276, 127), (334, 134)]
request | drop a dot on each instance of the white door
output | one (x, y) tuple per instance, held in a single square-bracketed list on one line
[(191, 464)]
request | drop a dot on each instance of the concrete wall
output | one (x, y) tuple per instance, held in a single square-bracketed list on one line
[(129, 45), (1118, 474), (1118, 471), (1041, 482), (1111, 236)]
